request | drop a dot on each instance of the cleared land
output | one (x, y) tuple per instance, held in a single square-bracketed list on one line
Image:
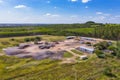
[(8, 42)]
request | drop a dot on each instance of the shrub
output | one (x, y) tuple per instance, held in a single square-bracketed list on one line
[(16, 44), (27, 39), (108, 72), (38, 38), (32, 39), (102, 45), (5, 43), (114, 49), (100, 54), (12, 39), (118, 49), (88, 43)]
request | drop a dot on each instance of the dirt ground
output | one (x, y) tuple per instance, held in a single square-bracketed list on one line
[(66, 45), (63, 45)]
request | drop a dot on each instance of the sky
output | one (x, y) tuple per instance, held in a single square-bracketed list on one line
[(59, 11)]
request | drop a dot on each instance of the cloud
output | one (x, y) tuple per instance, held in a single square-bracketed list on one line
[(1, 1), (99, 13), (118, 16), (55, 15), (104, 14), (73, 0), (51, 15), (74, 16), (20, 6), (85, 1), (47, 14)]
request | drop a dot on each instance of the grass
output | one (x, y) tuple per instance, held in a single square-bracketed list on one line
[(28, 69), (82, 30), (77, 52), (53, 38), (67, 55), (13, 68)]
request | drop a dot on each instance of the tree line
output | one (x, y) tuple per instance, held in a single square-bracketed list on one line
[(88, 29)]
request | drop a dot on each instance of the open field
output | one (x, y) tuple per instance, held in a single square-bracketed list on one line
[(17, 69)]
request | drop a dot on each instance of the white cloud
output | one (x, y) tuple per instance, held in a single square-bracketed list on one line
[(20, 6), (118, 16), (1, 1), (51, 15), (85, 1), (104, 14), (73, 0), (55, 15), (47, 14), (99, 13), (74, 16)]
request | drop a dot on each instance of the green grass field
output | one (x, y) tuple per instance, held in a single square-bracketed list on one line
[(12, 68), (67, 55), (77, 52), (82, 30)]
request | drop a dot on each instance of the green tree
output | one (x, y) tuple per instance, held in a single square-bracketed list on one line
[(99, 54), (118, 49)]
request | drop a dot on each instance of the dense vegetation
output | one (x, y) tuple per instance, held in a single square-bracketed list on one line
[(91, 29), (108, 32)]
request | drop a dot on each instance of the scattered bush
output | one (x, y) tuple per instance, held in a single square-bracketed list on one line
[(102, 45), (27, 39), (108, 72), (38, 38), (100, 54), (32, 39), (113, 49), (16, 44), (118, 49), (12, 39), (88, 43), (5, 43)]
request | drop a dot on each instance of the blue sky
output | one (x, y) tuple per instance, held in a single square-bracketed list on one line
[(59, 11)]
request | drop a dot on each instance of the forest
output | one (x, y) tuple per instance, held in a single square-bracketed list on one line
[(89, 29)]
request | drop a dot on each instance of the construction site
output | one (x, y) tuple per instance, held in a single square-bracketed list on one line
[(78, 47)]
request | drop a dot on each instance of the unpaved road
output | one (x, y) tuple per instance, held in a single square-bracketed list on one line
[(72, 59)]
